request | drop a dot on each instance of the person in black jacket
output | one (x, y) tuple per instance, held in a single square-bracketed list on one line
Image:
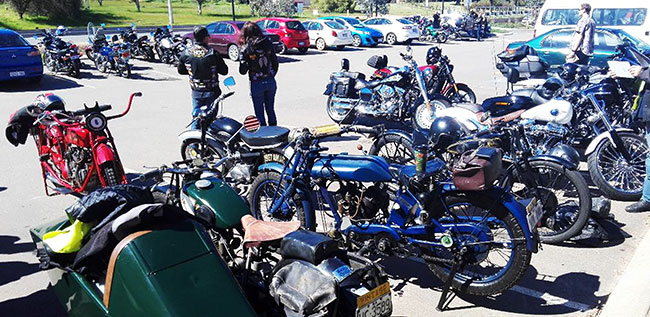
[(203, 64), (643, 73), (260, 62)]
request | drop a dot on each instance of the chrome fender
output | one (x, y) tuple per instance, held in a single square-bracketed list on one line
[(601, 138), (193, 134)]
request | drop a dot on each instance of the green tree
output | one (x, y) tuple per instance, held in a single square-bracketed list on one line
[(272, 7), (334, 5), (20, 6), (370, 7), (69, 9)]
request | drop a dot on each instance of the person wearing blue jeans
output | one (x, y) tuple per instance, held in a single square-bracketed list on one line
[(644, 108), (258, 59)]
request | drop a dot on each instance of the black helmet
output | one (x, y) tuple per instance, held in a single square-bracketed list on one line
[(444, 131), (433, 55), (200, 32), (568, 71), (550, 87), (49, 102)]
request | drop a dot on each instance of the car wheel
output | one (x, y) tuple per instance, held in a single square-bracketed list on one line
[(302, 50), (233, 52), (391, 38), (356, 40), (283, 49), (320, 44)]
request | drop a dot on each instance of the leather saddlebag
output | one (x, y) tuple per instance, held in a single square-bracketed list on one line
[(477, 169)]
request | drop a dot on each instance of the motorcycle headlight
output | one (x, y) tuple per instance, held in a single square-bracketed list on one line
[(427, 75), (96, 122)]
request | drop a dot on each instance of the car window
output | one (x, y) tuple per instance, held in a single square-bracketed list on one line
[(230, 29), (386, 21), (12, 40), (222, 28), (261, 24), (340, 21), (306, 25), (606, 41), (335, 25), (404, 21), (273, 25), (547, 42), (560, 17), (239, 25), (295, 25), (211, 28), (562, 39), (316, 26), (353, 21)]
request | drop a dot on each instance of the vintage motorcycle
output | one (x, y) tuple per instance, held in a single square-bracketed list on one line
[(395, 99), (267, 270), (447, 228), (60, 56), (139, 46), (76, 150)]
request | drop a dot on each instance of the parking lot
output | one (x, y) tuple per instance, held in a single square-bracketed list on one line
[(571, 279)]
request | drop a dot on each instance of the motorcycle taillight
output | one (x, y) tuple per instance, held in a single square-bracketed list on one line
[(125, 54)]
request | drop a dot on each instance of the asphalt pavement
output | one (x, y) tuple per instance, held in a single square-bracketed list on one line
[(575, 278)]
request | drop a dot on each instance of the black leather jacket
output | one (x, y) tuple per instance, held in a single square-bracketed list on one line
[(203, 64), (259, 60)]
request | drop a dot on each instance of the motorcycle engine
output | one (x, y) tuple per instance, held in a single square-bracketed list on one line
[(78, 161), (240, 173), (360, 203), (545, 136)]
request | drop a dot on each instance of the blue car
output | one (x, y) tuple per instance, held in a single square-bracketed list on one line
[(361, 34), (19, 59)]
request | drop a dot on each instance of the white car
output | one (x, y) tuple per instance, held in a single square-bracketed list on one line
[(395, 29), (323, 33)]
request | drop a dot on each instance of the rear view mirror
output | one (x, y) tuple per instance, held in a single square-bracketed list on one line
[(229, 82), (102, 25)]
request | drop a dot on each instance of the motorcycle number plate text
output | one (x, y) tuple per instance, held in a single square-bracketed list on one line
[(376, 303), (534, 213)]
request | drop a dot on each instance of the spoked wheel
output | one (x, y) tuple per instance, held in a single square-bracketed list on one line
[(233, 52), (424, 116), (396, 149), (616, 177), (495, 256), (463, 95), (320, 44), (191, 150), (441, 37), (264, 190), (391, 38), (563, 193)]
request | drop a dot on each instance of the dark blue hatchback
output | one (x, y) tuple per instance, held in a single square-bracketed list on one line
[(19, 59)]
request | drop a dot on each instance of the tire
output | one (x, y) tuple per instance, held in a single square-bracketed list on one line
[(606, 158), (423, 118), (90, 54), (190, 150), (125, 71), (340, 47), (336, 116), (391, 38), (441, 37), (303, 50), (320, 44), (472, 207), (264, 187), (47, 60), (356, 40), (75, 70), (562, 219), (464, 95), (233, 52), (395, 148), (149, 54), (283, 49)]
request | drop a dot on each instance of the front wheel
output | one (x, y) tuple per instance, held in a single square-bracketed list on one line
[(125, 71), (441, 37), (495, 257), (564, 194), (320, 44), (391, 38), (616, 177), (191, 149), (283, 49), (396, 149), (233, 52), (75, 69), (266, 188), (463, 95), (424, 116), (356, 40)]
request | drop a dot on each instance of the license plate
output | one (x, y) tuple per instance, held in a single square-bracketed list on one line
[(376, 303), (534, 213), (380, 40), (16, 74), (301, 43), (288, 152), (345, 35)]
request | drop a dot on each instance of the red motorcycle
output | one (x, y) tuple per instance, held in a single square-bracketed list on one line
[(76, 149)]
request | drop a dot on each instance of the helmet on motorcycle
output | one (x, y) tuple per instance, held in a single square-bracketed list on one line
[(49, 102), (550, 88), (433, 55), (61, 30), (568, 71), (444, 131)]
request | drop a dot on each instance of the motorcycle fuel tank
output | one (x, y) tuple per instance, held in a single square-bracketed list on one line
[(352, 167), (557, 111), (228, 207), (224, 127)]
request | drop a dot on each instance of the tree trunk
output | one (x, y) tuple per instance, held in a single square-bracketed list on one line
[(137, 4), (100, 2), (199, 10), (20, 14)]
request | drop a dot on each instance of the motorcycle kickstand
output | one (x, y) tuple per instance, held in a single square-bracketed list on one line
[(445, 289)]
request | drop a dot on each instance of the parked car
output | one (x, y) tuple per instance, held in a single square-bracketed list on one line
[(224, 38), (19, 59), (324, 33), (553, 46), (291, 32), (361, 34), (395, 30)]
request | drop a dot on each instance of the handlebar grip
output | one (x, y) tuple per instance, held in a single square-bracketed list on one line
[(365, 130), (105, 107), (137, 94)]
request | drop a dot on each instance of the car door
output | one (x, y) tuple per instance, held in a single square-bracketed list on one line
[(219, 38), (230, 36), (605, 44), (554, 48), (212, 28), (307, 26)]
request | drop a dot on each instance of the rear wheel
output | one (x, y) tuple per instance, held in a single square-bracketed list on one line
[(463, 95), (265, 188), (391, 38), (320, 44), (396, 149)]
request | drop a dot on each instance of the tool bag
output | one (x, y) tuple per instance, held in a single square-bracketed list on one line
[(477, 169)]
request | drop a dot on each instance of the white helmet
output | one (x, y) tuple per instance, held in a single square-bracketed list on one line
[(61, 30)]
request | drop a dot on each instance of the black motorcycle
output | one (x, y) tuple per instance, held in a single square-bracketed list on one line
[(139, 46), (59, 55), (169, 46)]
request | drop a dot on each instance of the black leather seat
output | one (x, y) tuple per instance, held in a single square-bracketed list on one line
[(266, 136), (362, 83), (353, 75)]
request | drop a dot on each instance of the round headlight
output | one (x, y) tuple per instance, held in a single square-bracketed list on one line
[(96, 122)]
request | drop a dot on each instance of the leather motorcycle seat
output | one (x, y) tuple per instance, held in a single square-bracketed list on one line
[(257, 231), (267, 136), (532, 94), (308, 246), (362, 83), (475, 108)]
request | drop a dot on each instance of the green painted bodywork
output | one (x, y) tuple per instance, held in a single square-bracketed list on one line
[(228, 206), (168, 272)]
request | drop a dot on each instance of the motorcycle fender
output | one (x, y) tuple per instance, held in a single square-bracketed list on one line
[(195, 135), (601, 138), (104, 153), (555, 159), (328, 89), (270, 167)]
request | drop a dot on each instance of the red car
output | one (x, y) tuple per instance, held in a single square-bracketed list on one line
[(292, 33), (224, 38)]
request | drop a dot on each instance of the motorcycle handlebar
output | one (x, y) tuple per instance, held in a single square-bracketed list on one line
[(366, 130), (128, 108), (84, 111), (150, 174), (214, 108)]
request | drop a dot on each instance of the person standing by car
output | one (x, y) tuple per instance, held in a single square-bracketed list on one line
[(204, 65), (260, 62), (643, 73), (582, 43)]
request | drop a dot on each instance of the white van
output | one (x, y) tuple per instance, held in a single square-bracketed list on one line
[(629, 15)]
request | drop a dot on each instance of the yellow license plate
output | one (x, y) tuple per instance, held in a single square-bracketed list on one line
[(380, 290)]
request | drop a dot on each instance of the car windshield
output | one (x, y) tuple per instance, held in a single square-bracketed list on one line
[(335, 25), (295, 25), (640, 44), (354, 22), (404, 21), (239, 25), (12, 40)]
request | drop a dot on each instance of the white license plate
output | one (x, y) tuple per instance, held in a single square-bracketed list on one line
[(344, 35), (376, 303), (288, 152), (534, 213), (380, 40), (301, 43), (16, 74)]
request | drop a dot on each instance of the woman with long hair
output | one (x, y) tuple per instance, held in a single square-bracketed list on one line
[(258, 59)]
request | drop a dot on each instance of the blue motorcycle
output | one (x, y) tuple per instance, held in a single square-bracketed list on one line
[(478, 242)]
